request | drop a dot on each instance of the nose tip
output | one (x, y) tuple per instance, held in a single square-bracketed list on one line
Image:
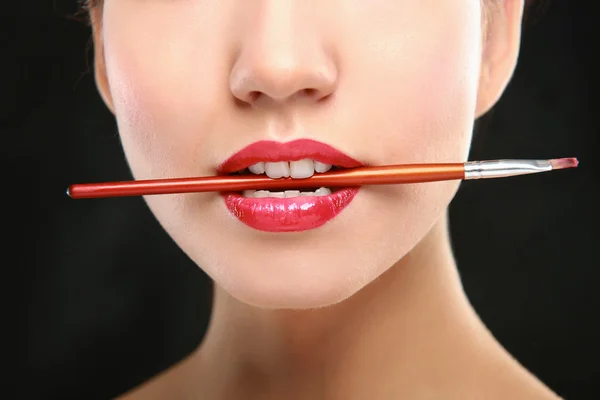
[(257, 81)]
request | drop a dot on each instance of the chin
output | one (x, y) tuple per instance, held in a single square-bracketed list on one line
[(297, 286), (293, 299), (312, 269)]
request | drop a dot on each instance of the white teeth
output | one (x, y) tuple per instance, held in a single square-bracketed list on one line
[(320, 167), (259, 194), (276, 170), (258, 168), (292, 193), (323, 191), (302, 169)]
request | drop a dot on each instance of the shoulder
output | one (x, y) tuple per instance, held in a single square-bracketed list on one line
[(506, 378)]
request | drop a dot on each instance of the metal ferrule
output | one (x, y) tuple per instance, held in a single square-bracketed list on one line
[(504, 168)]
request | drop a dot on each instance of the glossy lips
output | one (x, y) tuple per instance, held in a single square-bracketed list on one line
[(287, 214)]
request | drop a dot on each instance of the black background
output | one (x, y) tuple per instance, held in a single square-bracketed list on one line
[(100, 299)]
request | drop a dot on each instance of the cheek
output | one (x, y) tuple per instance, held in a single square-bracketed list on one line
[(443, 102), (412, 93), (167, 89), (418, 79)]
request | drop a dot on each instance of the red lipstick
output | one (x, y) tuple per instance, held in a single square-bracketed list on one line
[(291, 214), (272, 151)]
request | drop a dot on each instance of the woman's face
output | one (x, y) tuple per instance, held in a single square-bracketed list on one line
[(193, 82)]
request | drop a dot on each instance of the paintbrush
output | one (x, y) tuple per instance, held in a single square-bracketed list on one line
[(351, 177)]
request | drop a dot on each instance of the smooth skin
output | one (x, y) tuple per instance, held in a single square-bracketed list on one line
[(370, 305)]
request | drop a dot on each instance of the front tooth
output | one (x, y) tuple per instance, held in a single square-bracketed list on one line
[(276, 170), (248, 193), (323, 191), (292, 193), (320, 167), (259, 194), (258, 168), (302, 169), (280, 195)]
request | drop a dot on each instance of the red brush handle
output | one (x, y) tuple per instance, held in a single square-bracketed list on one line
[(385, 175)]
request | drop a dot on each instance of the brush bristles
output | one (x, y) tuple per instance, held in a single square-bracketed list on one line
[(562, 163)]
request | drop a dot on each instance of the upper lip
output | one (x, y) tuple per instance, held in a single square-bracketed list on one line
[(273, 151)]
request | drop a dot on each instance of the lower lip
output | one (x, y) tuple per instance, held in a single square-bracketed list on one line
[(293, 214)]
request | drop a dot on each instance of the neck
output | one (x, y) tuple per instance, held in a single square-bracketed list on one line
[(405, 319)]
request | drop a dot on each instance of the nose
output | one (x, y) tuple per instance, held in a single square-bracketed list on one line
[(280, 60)]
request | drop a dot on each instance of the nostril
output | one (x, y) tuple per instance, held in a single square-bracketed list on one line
[(315, 94), (310, 92), (253, 95), (248, 99)]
